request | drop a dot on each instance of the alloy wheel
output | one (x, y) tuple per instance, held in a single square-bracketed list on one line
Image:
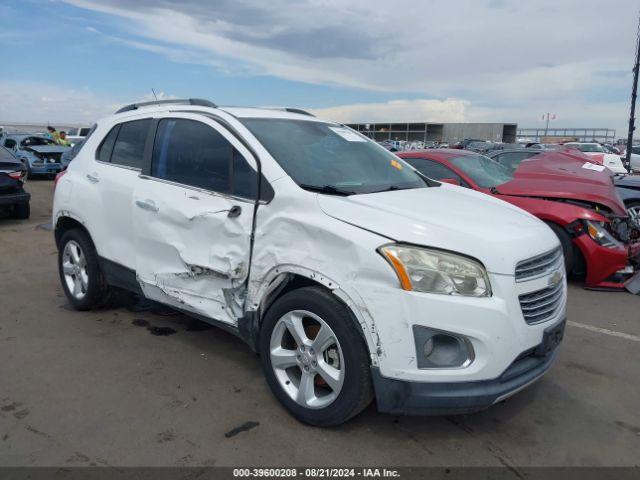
[(74, 268), (307, 359)]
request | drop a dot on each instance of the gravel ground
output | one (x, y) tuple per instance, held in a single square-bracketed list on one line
[(102, 388)]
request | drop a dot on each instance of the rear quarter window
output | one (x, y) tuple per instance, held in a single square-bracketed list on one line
[(129, 147)]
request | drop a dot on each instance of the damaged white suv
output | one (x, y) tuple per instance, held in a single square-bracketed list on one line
[(348, 272)]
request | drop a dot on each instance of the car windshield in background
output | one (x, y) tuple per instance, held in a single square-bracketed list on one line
[(486, 173), (330, 158), (588, 147)]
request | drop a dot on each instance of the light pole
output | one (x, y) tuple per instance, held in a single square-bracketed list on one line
[(634, 90)]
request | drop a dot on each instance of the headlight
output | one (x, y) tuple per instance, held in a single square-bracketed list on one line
[(600, 235), (434, 271)]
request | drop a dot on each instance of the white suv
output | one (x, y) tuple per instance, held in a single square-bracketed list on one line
[(351, 274)]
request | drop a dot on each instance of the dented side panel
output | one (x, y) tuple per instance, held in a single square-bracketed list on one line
[(191, 254), (293, 236)]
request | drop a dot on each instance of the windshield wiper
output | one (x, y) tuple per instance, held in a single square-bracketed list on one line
[(328, 189), (391, 188)]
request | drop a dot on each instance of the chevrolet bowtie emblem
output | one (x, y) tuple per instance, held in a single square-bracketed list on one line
[(555, 279)]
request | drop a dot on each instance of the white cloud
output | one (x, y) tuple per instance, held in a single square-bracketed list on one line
[(38, 102), (449, 110), (519, 57)]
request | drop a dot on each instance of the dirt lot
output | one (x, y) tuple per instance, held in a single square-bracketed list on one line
[(100, 389)]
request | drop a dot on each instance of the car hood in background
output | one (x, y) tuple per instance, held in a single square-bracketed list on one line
[(628, 181), (47, 148), (560, 175), (449, 218)]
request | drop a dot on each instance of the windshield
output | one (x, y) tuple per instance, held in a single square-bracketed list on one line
[(331, 157), (486, 173), (588, 147)]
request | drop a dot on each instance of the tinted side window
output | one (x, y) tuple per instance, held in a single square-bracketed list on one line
[(10, 143), (129, 147), (106, 147), (433, 170), (513, 159), (192, 153)]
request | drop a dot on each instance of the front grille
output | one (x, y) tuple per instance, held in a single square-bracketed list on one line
[(539, 265), (542, 305)]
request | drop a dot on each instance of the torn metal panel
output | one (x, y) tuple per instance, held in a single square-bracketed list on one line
[(291, 239), (190, 252)]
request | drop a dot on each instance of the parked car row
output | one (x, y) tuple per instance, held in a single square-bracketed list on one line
[(599, 234)]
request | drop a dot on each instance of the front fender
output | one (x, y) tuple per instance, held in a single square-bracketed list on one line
[(274, 278)]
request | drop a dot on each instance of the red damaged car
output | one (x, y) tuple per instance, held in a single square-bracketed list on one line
[(579, 204)]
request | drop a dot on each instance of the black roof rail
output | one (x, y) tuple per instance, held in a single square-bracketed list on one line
[(298, 110), (183, 101)]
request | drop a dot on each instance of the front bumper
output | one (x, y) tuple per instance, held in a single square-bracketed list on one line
[(418, 398), (603, 263), (14, 198), (45, 169)]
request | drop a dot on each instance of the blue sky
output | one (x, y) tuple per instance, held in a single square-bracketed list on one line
[(501, 60)]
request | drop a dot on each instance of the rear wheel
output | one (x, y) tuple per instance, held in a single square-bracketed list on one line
[(82, 279), (567, 246), (314, 359), (21, 211)]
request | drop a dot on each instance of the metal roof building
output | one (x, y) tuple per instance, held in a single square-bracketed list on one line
[(441, 132)]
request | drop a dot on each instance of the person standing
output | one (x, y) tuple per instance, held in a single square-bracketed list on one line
[(62, 140), (53, 134)]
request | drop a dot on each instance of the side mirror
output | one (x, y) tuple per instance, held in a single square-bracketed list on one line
[(452, 181)]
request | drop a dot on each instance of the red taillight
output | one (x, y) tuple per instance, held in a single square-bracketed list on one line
[(58, 177), (16, 175)]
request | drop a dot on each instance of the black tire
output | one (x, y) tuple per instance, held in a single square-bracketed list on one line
[(567, 246), (633, 204), (98, 293), (21, 211), (357, 390)]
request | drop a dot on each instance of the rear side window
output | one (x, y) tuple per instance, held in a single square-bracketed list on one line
[(193, 153), (513, 159), (106, 147), (129, 147)]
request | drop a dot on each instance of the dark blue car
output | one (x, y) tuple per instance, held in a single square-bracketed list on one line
[(13, 198)]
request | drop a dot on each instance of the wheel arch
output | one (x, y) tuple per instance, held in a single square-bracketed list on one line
[(66, 221), (284, 279)]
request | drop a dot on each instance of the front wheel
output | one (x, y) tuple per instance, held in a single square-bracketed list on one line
[(633, 209), (314, 358)]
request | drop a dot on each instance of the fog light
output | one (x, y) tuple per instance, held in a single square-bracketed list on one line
[(428, 347), (439, 349)]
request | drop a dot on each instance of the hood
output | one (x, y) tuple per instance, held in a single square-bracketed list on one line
[(47, 148), (452, 218), (559, 175), (629, 181)]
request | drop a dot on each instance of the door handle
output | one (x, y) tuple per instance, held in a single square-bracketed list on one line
[(148, 205), (234, 211), (92, 178)]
